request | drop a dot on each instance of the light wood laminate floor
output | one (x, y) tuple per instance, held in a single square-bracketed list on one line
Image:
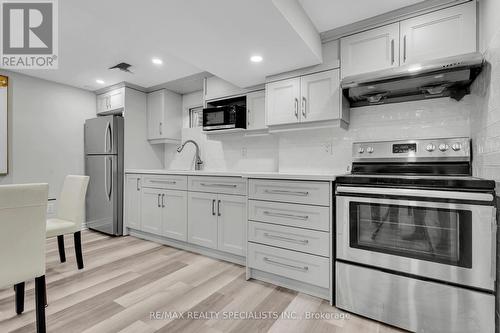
[(125, 279)]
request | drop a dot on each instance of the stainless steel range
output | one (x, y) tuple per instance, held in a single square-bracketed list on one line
[(416, 237)]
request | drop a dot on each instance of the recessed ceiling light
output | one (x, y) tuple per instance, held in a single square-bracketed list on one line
[(157, 61), (256, 58), (99, 81)]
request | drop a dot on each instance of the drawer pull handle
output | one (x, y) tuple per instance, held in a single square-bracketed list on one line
[(300, 268), (290, 216), (287, 239), (218, 185), (163, 181), (285, 192)]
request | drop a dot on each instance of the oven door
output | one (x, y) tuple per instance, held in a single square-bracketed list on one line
[(218, 118), (442, 235)]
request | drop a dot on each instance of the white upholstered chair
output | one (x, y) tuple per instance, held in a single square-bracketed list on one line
[(23, 210), (70, 215)]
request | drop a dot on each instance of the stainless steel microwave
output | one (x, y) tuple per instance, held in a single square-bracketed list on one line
[(224, 117)]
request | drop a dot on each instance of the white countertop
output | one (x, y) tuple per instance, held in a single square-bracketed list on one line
[(244, 174)]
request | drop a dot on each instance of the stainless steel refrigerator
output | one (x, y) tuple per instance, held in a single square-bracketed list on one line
[(104, 165)]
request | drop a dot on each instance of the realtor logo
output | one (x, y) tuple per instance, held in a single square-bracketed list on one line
[(29, 34)]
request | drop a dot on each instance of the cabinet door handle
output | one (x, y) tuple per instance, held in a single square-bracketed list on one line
[(300, 268), (392, 51), (163, 200), (296, 108), (160, 128), (304, 105), (248, 117), (213, 207), (290, 216), (404, 48), (285, 192), (218, 185), (218, 208), (163, 181), (138, 188), (159, 200), (287, 239)]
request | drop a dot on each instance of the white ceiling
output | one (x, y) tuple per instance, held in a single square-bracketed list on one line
[(191, 36), (330, 14), (195, 36)]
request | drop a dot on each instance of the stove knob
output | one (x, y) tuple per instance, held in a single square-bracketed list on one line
[(456, 146), (430, 147), (361, 150), (369, 150), (443, 147)]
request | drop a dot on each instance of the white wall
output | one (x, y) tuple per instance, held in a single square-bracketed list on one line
[(45, 130), (486, 90), (327, 150)]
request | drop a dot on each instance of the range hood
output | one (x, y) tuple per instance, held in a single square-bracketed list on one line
[(446, 77)]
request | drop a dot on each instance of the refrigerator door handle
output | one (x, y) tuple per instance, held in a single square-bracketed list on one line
[(108, 136), (110, 189)]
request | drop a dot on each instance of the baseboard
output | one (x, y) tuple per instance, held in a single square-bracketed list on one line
[(187, 246)]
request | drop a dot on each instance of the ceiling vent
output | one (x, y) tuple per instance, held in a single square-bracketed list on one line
[(123, 66)]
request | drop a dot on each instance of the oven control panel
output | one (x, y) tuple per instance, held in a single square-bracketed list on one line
[(445, 149)]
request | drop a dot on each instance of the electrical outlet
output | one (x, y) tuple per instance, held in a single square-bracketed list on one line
[(327, 148), (244, 152)]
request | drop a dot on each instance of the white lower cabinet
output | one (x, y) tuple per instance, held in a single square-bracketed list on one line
[(289, 234), (231, 223), (151, 210), (174, 218), (164, 212), (217, 221), (132, 209), (202, 219)]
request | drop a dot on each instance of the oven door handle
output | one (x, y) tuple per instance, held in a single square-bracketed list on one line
[(406, 192)]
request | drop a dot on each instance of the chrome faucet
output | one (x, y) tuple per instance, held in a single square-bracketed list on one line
[(199, 162)]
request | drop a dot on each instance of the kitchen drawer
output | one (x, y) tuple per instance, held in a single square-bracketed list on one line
[(304, 192), (309, 241), (170, 182), (302, 216), (225, 185), (302, 267)]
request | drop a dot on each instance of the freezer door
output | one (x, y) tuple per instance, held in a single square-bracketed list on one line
[(103, 202), (101, 135)]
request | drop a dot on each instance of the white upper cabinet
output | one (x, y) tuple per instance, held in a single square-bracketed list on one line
[(164, 115), (282, 101), (111, 102), (216, 87), (309, 98), (320, 96), (370, 51), (256, 110), (439, 34), (156, 116)]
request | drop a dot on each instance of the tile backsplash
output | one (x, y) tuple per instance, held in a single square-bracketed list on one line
[(326, 150)]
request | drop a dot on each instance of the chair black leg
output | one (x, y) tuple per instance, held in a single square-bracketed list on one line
[(78, 249), (60, 245), (19, 288), (40, 303)]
